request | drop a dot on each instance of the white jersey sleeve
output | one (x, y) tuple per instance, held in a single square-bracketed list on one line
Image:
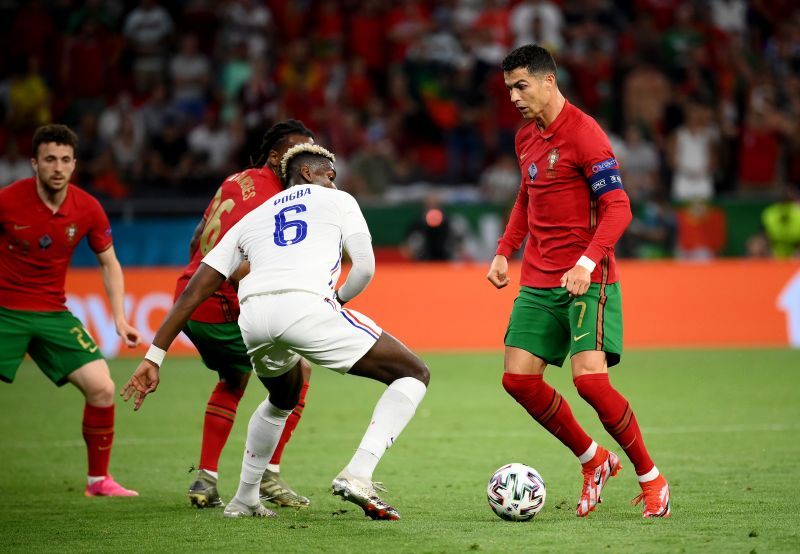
[(353, 221), (227, 255)]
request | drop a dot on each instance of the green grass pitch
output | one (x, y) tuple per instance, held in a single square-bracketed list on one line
[(724, 427)]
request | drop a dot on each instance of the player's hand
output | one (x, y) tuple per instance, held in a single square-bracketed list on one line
[(143, 381), (129, 334), (498, 272), (576, 280)]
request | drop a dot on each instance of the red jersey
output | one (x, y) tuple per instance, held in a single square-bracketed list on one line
[(238, 195), (570, 202), (36, 244)]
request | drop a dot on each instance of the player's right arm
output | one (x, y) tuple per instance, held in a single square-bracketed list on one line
[(515, 233)]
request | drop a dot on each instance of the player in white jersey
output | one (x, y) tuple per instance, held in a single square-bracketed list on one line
[(292, 247)]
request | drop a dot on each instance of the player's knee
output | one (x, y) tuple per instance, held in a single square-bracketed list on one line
[(592, 387), (520, 386), (417, 369), (100, 393), (235, 382)]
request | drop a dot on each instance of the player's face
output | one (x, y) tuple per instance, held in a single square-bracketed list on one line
[(322, 174), (53, 166), (529, 93)]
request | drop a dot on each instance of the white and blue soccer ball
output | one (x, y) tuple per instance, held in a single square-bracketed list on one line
[(516, 492)]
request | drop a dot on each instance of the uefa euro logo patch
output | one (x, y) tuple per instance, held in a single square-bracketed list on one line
[(605, 164), (532, 171)]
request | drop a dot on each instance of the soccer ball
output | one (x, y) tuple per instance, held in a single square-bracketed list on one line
[(516, 492)]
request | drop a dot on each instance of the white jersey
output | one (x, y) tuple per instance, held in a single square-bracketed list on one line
[(293, 242)]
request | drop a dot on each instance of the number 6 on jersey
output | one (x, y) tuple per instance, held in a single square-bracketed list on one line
[(281, 225)]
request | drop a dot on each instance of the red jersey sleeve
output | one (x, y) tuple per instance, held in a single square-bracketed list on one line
[(99, 234), (601, 170), (517, 227)]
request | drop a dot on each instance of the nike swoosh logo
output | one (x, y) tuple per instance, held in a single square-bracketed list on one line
[(104, 447), (579, 337), (20, 227), (523, 156)]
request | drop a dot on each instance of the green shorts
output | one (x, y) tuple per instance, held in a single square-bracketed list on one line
[(220, 345), (57, 341), (550, 324)]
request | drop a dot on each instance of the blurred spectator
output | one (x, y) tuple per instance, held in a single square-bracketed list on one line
[(406, 23), (760, 148), (88, 58), (249, 23), (463, 139), (212, 146), (148, 30), (110, 121), (757, 246), (258, 104), (367, 36), (95, 167), (33, 34), (639, 162), (646, 93), (128, 152), (371, 170), (539, 22), (28, 97), (190, 72), (500, 181), (301, 78), (692, 154), (781, 223), (652, 232), (13, 166), (104, 13), (702, 231), (431, 237), (729, 16), (155, 110), (169, 160)]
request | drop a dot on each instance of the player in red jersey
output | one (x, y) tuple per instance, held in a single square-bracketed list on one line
[(573, 209), (42, 220), (213, 326)]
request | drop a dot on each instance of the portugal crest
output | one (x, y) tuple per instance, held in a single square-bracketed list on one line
[(71, 232), (552, 158)]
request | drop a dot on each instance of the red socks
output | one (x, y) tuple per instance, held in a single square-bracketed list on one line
[(617, 417), (98, 432), (549, 408), (291, 423), (220, 413)]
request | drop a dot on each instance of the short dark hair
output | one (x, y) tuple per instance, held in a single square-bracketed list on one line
[(534, 58), (278, 133), (60, 134)]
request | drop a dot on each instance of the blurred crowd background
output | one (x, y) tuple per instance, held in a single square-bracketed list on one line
[(701, 100)]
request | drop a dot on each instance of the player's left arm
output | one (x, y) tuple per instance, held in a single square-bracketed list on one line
[(357, 243), (601, 170), (114, 283)]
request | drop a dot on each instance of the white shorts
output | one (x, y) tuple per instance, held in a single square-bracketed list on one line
[(280, 328)]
